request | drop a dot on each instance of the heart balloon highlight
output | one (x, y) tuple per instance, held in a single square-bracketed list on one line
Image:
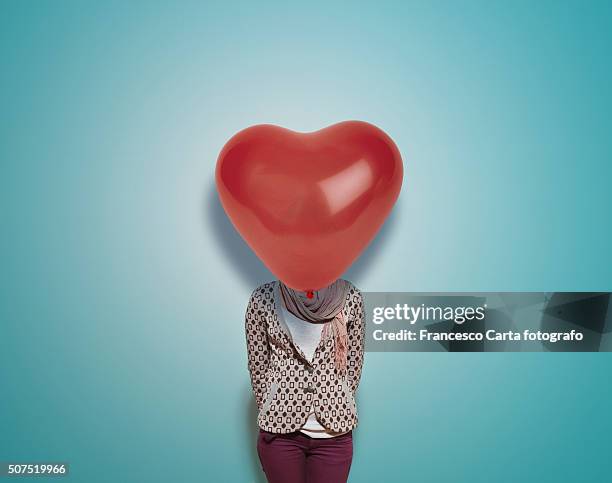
[(308, 204)]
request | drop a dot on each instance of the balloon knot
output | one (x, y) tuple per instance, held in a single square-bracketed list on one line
[(309, 294)]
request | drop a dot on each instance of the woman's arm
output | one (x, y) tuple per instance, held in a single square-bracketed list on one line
[(356, 338), (258, 350)]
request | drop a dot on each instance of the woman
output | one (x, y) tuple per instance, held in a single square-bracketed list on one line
[(305, 354)]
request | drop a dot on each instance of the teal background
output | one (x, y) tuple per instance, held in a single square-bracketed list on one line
[(124, 286)]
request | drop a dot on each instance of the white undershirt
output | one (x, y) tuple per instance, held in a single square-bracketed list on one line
[(306, 335)]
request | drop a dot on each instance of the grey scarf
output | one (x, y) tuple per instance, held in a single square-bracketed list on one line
[(322, 306)]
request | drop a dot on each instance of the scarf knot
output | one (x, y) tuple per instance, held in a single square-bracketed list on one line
[(325, 306)]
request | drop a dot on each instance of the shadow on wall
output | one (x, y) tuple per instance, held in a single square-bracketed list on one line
[(253, 272), (252, 432)]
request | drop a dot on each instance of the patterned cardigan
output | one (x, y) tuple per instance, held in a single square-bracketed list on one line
[(287, 386)]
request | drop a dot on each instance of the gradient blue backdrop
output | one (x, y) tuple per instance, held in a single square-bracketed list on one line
[(124, 286)]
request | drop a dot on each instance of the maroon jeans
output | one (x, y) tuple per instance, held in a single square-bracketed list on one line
[(297, 458)]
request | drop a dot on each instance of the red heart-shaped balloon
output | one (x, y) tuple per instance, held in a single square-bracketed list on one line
[(309, 203)]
